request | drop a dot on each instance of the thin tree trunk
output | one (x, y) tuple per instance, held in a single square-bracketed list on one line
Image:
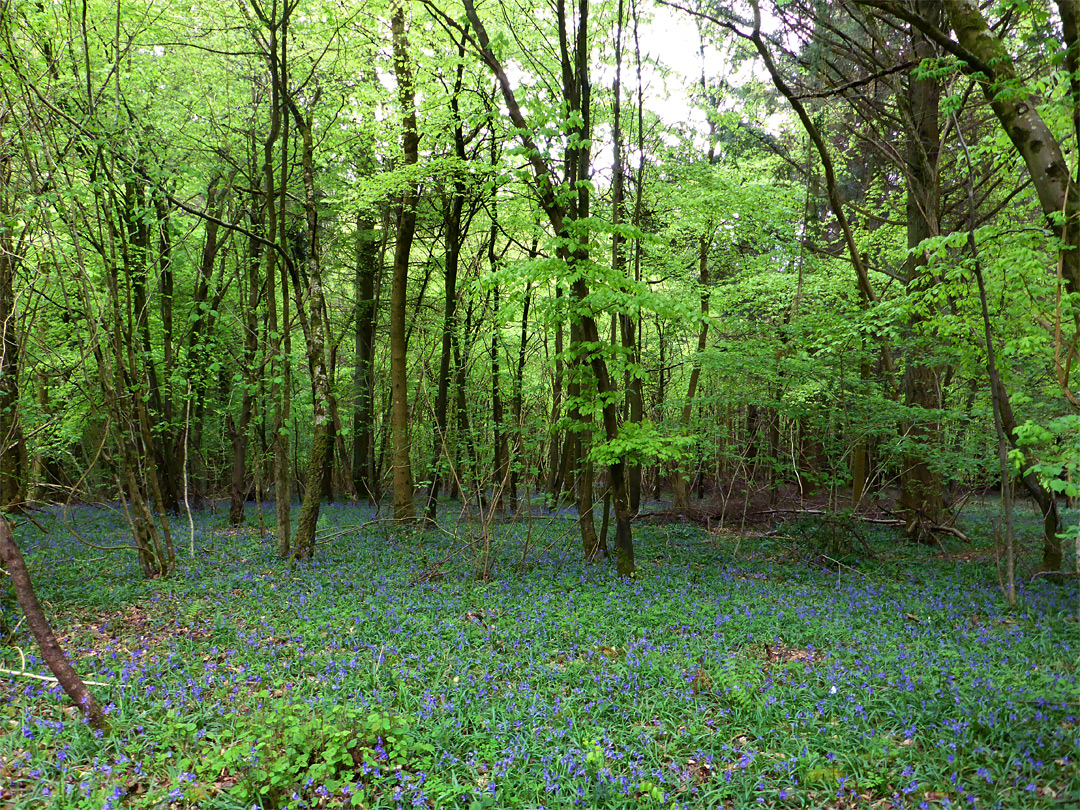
[(578, 470), (367, 265), (576, 93), (633, 327), (678, 475), (135, 249), (983, 55), (464, 442), (556, 479), (519, 381), (454, 237), (51, 652), (860, 453), (315, 339), (238, 434), (403, 487), (11, 473), (280, 344), (626, 322)]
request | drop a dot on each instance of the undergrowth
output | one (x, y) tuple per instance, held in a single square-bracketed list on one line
[(732, 671)]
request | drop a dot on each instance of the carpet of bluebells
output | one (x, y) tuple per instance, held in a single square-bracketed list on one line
[(733, 671)]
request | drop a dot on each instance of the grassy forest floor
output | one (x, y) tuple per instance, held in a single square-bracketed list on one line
[(735, 670)]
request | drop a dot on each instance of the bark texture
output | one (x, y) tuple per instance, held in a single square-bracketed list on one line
[(404, 510), (51, 652), (921, 487)]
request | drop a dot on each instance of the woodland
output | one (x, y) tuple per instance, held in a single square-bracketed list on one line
[(480, 403)]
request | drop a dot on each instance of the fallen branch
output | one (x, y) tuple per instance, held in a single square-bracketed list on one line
[(47, 678)]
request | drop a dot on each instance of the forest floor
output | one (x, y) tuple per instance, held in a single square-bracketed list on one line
[(779, 669)]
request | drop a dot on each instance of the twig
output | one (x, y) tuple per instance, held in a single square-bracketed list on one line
[(351, 530), (47, 678), (1062, 574)]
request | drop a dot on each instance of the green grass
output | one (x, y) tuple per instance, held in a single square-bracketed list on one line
[(383, 674)]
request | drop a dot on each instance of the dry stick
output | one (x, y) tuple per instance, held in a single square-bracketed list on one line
[(325, 539), (47, 678), (51, 652), (22, 673)]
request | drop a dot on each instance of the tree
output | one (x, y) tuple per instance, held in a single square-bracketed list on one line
[(564, 217), (51, 652), (403, 485), (984, 56)]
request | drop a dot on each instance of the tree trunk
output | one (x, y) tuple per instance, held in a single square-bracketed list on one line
[(403, 488), (51, 652), (626, 321), (921, 497), (367, 265), (315, 340), (454, 236), (576, 93), (579, 473), (11, 473), (633, 327), (556, 480), (441, 435), (519, 381), (500, 460), (678, 475), (280, 342), (199, 350), (984, 55), (135, 245), (464, 444), (238, 434)]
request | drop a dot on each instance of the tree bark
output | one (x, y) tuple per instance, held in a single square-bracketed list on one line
[(921, 496), (556, 479), (238, 434), (578, 472), (576, 93), (199, 349), (465, 443), (678, 476), (519, 381), (134, 208), (454, 236), (11, 473), (51, 652), (367, 265), (280, 342), (985, 57), (315, 340), (627, 323), (404, 510)]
